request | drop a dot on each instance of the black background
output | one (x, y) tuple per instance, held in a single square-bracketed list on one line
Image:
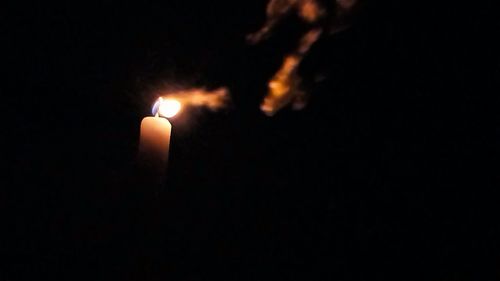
[(389, 172)]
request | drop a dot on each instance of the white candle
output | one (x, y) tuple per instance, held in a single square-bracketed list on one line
[(155, 135)]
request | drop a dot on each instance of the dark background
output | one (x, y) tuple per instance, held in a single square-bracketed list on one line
[(389, 172)]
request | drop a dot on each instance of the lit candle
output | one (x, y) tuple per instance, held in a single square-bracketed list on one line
[(155, 136)]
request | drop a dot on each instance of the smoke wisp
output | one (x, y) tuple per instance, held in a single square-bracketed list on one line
[(323, 16)]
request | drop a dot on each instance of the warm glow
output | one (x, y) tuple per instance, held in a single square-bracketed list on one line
[(195, 97), (284, 87), (167, 107), (309, 10)]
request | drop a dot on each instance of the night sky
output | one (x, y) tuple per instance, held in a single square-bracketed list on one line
[(389, 172)]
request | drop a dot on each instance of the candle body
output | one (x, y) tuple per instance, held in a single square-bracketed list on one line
[(154, 143)]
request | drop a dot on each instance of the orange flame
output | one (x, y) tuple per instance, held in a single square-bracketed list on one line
[(285, 84), (199, 97), (308, 10), (168, 107)]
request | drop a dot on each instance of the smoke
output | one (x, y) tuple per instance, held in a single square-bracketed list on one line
[(308, 10), (199, 97), (323, 16), (285, 84)]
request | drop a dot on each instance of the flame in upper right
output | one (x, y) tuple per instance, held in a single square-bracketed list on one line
[(285, 85)]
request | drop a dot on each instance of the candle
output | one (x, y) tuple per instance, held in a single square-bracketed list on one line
[(155, 136)]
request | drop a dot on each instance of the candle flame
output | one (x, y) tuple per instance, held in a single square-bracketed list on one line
[(199, 97), (166, 107)]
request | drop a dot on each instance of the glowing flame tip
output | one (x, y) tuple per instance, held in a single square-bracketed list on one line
[(166, 107)]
